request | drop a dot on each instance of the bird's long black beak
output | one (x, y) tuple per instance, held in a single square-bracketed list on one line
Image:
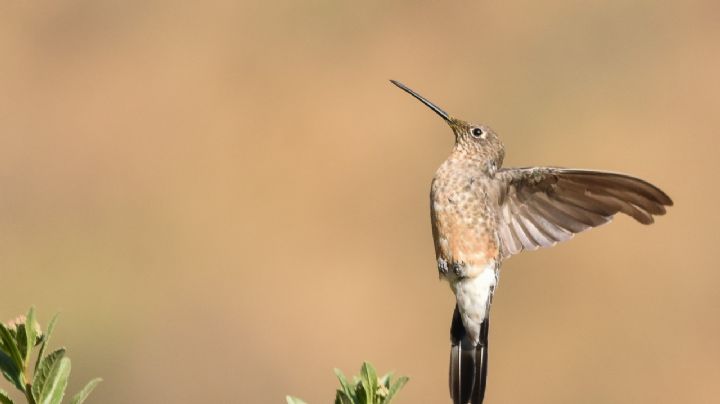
[(422, 99)]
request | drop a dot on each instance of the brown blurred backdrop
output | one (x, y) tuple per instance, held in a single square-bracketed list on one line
[(227, 199)]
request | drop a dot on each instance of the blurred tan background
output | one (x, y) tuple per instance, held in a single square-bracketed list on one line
[(227, 199)]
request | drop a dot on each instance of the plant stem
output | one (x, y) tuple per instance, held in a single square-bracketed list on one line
[(28, 393)]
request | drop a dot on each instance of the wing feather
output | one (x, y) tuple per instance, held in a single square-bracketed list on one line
[(522, 233), (551, 229), (543, 206)]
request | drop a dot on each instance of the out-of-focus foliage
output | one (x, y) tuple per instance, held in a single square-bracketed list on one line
[(47, 380), (364, 389)]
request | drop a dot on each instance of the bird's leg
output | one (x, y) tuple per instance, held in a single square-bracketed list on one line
[(460, 269)]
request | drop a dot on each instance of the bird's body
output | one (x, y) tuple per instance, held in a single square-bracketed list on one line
[(466, 243), (463, 209), (482, 214)]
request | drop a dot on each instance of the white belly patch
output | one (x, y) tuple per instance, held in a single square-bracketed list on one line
[(473, 298)]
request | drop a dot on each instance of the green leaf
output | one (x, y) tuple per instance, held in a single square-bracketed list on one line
[(46, 338), (396, 386), (53, 389), (385, 380), (369, 381), (12, 348), (346, 387), (10, 370), (30, 333), (292, 400), (20, 338), (343, 398), (85, 392), (42, 373), (361, 396), (4, 399)]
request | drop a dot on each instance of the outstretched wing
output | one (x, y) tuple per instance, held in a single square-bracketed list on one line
[(543, 206)]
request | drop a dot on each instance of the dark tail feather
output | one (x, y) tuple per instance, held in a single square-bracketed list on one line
[(468, 363)]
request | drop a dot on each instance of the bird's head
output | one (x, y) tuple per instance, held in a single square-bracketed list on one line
[(474, 142)]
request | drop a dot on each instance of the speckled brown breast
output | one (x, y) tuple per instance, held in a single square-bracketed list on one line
[(463, 217)]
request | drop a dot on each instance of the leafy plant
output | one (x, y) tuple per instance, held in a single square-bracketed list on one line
[(46, 382), (366, 389)]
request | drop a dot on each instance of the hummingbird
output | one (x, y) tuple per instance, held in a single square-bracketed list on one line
[(482, 214)]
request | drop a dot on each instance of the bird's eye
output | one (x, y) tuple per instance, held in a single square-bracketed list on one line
[(477, 132)]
